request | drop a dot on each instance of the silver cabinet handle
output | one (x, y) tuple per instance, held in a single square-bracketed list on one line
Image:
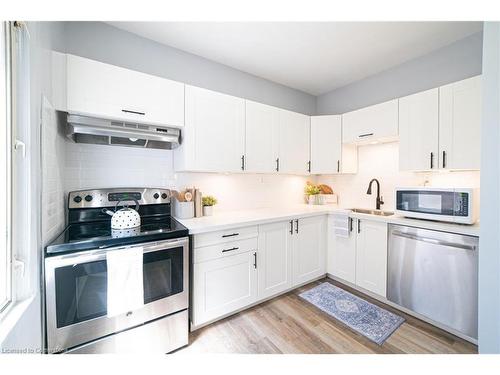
[(231, 249), (133, 112), (291, 226), (297, 226), (242, 162), (434, 241), (365, 135), (255, 260)]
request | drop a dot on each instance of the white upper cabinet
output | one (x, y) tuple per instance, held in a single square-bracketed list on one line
[(293, 143), (261, 138), (214, 133), (328, 154), (460, 124), (102, 90), (375, 123), (418, 131)]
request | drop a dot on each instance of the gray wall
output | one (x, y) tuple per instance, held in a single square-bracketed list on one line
[(102, 42), (454, 62), (489, 243)]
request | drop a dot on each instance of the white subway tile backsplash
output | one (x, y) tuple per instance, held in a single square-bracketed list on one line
[(381, 161)]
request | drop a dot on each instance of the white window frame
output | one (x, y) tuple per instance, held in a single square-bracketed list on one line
[(6, 113)]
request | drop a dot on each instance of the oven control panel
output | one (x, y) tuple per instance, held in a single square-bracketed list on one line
[(99, 198)]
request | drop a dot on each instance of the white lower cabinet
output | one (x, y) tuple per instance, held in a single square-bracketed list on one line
[(360, 258), (309, 249), (222, 286), (371, 256), (274, 259), (342, 253), (231, 275)]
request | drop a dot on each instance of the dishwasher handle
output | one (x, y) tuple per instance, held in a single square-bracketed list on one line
[(433, 240)]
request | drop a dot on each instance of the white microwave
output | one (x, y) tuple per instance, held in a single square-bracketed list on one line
[(456, 205)]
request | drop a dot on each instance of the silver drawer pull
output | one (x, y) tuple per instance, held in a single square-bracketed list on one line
[(230, 235), (231, 249), (133, 112), (365, 135), (434, 241)]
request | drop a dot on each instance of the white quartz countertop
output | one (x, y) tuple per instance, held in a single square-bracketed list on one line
[(240, 218)]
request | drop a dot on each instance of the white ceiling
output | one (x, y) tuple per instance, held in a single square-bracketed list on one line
[(314, 57)]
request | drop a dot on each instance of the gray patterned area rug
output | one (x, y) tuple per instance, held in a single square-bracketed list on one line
[(364, 317)]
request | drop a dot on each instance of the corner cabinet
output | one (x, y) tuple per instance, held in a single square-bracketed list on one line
[(308, 249), (97, 89), (213, 139), (328, 154), (291, 253), (274, 259)]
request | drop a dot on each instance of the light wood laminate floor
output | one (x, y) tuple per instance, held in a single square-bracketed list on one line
[(288, 324)]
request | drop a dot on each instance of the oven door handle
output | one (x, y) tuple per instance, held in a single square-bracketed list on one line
[(92, 255)]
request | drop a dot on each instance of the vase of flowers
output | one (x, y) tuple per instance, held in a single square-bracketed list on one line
[(312, 192), (208, 205)]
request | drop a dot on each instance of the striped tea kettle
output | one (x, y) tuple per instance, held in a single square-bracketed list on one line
[(124, 218)]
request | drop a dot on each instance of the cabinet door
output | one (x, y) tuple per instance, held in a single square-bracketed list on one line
[(460, 124), (294, 143), (418, 131), (274, 262), (261, 137), (222, 286), (326, 144), (214, 131), (309, 249), (375, 123), (342, 253), (371, 256), (108, 91)]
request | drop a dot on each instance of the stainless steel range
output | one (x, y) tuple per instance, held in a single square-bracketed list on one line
[(77, 277)]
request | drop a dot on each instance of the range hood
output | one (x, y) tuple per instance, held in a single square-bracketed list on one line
[(84, 129)]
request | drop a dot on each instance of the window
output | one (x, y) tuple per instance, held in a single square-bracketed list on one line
[(5, 169)]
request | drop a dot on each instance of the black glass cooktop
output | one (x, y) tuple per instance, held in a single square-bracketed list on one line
[(98, 234)]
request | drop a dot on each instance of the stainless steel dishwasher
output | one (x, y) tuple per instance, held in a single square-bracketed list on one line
[(435, 274)]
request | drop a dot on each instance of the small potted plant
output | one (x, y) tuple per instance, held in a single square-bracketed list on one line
[(312, 192), (208, 205)]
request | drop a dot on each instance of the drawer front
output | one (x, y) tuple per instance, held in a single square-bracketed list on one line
[(158, 337), (223, 236), (221, 250)]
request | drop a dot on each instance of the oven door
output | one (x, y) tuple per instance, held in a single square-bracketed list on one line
[(76, 292)]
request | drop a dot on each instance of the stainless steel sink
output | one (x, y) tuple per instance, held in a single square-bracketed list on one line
[(372, 212)]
